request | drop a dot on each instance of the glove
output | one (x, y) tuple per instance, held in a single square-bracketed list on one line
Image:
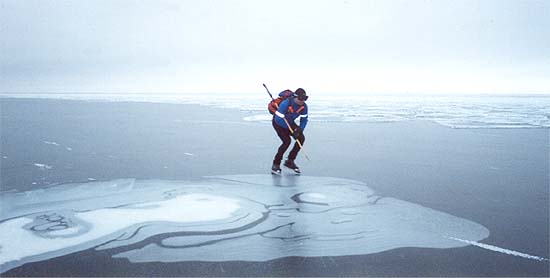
[(297, 133)]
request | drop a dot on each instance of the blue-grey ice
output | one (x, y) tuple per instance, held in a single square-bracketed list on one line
[(216, 218)]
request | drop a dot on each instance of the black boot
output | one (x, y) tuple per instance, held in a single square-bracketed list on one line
[(290, 164), (276, 169)]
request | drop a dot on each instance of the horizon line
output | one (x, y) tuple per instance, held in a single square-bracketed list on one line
[(530, 94)]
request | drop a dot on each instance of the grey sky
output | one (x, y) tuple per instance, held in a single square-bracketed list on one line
[(233, 46)]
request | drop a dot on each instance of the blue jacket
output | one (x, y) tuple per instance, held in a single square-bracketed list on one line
[(290, 110)]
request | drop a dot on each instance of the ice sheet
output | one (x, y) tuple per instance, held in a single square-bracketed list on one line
[(214, 219)]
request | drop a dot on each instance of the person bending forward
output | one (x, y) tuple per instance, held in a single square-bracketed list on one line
[(290, 109)]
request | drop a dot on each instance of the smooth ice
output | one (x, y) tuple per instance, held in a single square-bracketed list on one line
[(215, 218)]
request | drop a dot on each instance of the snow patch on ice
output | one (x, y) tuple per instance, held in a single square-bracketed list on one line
[(43, 166), (314, 196), (213, 219), (51, 143), (105, 221), (259, 118), (500, 250)]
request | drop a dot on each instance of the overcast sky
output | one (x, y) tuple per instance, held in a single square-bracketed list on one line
[(349, 46)]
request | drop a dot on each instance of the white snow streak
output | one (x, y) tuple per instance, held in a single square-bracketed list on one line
[(501, 250)]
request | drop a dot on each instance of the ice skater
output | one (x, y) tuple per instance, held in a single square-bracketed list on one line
[(288, 110)]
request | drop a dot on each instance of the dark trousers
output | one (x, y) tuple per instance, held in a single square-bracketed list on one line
[(284, 134)]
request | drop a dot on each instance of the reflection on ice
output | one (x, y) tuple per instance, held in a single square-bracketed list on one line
[(214, 219)]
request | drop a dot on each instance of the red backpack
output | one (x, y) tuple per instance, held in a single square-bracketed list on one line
[(274, 104)]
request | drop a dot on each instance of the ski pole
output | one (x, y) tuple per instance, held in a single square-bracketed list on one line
[(289, 127)]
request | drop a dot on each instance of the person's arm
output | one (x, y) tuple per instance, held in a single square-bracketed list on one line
[(283, 107), (303, 118), (280, 113)]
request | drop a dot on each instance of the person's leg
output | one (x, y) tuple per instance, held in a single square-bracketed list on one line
[(284, 134), (294, 152)]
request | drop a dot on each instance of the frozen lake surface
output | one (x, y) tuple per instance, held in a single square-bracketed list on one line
[(216, 218)]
